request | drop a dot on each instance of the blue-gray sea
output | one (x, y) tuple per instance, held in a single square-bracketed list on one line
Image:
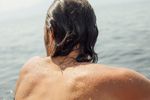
[(124, 38)]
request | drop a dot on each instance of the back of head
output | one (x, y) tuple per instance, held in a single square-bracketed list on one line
[(73, 23)]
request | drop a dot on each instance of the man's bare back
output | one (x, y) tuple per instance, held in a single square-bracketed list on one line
[(41, 79), (68, 72)]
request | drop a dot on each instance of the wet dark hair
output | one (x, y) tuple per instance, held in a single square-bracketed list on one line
[(73, 22)]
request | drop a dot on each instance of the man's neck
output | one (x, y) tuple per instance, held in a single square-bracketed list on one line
[(66, 61)]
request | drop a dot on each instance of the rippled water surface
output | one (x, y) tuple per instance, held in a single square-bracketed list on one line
[(124, 40)]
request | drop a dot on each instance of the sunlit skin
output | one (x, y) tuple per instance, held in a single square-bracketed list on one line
[(62, 78)]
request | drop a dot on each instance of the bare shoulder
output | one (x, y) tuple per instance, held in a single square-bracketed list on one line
[(30, 63), (28, 67), (102, 81), (116, 81), (33, 66), (114, 72), (104, 73), (101, 72), (26, 76)]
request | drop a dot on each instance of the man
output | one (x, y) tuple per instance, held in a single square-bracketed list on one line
[(69, 71)]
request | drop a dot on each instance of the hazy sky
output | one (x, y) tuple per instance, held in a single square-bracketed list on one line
[(7, 5)]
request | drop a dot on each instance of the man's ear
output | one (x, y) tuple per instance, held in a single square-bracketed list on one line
[(50, 43), (52, 33), (46, 40)]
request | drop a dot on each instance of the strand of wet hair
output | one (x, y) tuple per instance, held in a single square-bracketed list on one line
[(64, 40)]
